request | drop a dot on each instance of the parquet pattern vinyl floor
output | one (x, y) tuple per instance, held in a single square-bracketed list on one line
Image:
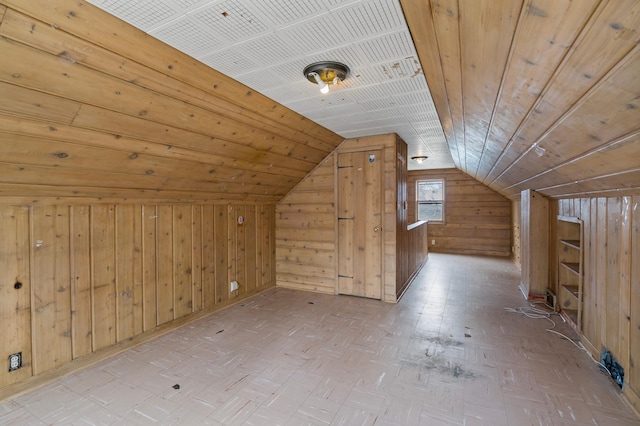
[(447, 354)]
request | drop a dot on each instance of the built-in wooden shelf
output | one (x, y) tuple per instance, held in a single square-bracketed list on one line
[(571, 243), (569, 284), (574, 290), (571, 315), (572, 266)]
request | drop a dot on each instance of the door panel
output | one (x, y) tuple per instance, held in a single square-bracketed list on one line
[(345, 248), (360, 224)]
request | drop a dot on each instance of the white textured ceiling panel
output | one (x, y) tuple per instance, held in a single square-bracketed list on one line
[(187, 4), (188, 36), (230, 61), (365, 93), (401, 69), (268, 48), (318, 34), (394, 45), (337, 3), (231, 20), (263, 80), (143, 14), (370, 18), (266, 44), (344, 110), (285, 12), (414, 84)]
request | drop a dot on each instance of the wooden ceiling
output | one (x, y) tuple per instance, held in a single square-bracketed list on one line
[(92, 108), (539, 94)]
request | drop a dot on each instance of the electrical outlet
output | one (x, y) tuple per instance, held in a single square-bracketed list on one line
[(233, 286), (15, 361), (433, 242), (551, 299)]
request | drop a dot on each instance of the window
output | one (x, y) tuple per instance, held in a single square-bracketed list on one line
[(430, 200)]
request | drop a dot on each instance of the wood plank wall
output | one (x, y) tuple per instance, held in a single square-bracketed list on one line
[(79, 279), (611, 282), (515, 232), (412, 248), (92, 108), (416, 245), (534, 243), (306, 223), (391, 216), (477, 219), (306, 233), (536, 94)]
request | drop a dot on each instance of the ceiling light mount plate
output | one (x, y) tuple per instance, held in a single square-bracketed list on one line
[(327, 72)]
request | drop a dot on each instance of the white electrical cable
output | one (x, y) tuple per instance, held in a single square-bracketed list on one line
[(532, 312)]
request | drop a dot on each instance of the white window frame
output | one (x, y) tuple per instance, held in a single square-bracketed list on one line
[(441, 202)]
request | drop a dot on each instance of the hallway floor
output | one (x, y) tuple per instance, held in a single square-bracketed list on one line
[(447, 354)]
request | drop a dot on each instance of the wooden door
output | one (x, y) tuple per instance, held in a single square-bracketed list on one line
[(360, 223)]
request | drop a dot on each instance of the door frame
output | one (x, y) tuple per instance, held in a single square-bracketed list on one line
[(373, 147)]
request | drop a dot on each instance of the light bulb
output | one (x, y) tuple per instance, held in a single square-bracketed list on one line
[(324, 87)]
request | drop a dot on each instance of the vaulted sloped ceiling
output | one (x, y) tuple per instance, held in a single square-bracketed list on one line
[(92, 108), (266, 45), (540, 94)]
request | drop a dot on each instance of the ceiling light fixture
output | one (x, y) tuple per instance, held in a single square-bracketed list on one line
[(419, 158), (325, 73)]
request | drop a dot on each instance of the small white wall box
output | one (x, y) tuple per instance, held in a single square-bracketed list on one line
[(15, 361), (551, 299), (234, 285)]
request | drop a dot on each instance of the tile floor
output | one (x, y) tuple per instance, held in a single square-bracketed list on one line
[(447, 354)]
